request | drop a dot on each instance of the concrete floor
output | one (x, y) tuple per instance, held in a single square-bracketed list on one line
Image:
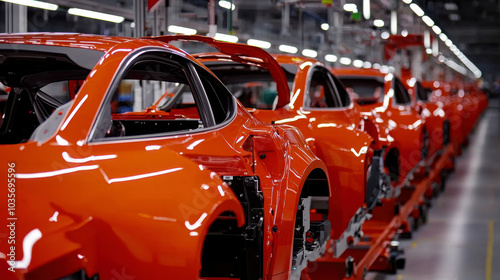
[(462, 237)]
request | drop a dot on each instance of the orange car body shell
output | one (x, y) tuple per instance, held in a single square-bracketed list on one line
[(142, 206), (433, 112), (442, 96), (334, 135), (405, 125)]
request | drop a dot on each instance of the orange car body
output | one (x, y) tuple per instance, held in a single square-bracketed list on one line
[(385, 95), (143, 204), (438, 123), (441, 94), (339, 135)]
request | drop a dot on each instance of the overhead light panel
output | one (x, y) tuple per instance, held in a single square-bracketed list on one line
[(181, 30), (454, 17), (309, 53), (227, 5), (325, 26), (436, 29), (366, 9), (448, 42), (357, 63), (428, 21), (259, 43), (404, 33), (450, 6), (394, 22), (378, 23), (407, 1), (385, 35), (288, 49), (367, 64), (427, 39), (443, 37), (350, 7), (95, 15), (331, 58), (345, 60), (418, 11), (226, 38), (34, 4), (435, 47)]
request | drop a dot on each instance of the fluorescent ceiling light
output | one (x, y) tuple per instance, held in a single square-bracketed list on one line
[(428, 21), (325, 26), (226, 5), (288, 49), (436, 29), (226, 38), (345, 60), (454, 17), (309, 53), (95, 15), (181, 30), (366, 9), (404, 33), (417, 9), (428, 51), (407, 1), (443, 37), (376, 66), (259, 43), (448, 42), (330, 58), (357, 63), (394, 22), (367, 64), (385, 35), (427, 39), (378, 23), (34, 4), (450, 6), (350, 7)]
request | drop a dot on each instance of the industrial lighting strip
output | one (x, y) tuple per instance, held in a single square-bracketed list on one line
[(429, 22), (71, 11), (284, 48)]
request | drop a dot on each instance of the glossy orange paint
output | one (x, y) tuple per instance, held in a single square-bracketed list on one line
[(392, 104), (141, 206), (435, 117), (443, 97), (339, 136)]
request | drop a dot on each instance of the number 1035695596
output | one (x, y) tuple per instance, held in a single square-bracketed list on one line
[(11, 188)]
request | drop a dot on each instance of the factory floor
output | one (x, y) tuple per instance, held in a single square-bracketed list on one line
[(461, 240)]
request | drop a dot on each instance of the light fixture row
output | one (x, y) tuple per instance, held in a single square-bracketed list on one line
[(71, 11), (266, 45), (429, 22)]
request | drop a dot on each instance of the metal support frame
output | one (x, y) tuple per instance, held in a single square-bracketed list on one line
[(212, 27), (285, 20), (139, 17), (16, 18)]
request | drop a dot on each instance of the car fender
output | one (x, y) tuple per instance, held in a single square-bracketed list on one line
[(127, 210)]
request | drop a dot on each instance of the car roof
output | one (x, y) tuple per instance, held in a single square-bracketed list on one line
[(85, 41), (358, 72), (292, 59)]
